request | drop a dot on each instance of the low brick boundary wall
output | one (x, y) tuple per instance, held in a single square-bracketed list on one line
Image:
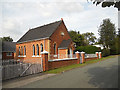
[(92, 58), (52, 64)]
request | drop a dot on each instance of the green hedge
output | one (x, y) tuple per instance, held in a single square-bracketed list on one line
[(105, 52), (88, 49)]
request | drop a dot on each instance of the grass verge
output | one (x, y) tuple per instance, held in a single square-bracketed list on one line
[(66, 68)]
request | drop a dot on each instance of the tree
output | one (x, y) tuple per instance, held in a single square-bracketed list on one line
[(77, 38), (107, 34), (89, 38), (108, 3), (7, 39)]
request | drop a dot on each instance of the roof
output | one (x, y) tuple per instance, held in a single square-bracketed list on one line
[(65, 43), (40, 32), (8, 46)]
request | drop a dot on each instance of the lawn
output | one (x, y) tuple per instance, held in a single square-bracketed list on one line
[(66, 68)]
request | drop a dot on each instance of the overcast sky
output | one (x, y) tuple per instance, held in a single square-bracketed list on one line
[(19, 16)]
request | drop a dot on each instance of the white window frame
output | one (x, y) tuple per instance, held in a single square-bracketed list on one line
[(33, 50), (41, 47), (9, 54), (19, 51), (37, 46), (55, 49), (24, 50)]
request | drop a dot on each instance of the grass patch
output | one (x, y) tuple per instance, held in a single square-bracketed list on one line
[(62, 69), (97, 60)]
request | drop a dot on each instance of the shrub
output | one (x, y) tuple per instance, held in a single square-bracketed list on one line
[(105, 52), (88, 49)]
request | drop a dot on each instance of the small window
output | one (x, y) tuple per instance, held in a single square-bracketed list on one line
[(19, 50), (41, 45), (33, 50), (37, 49), (68, 51), (62, 33), (54, 48), (24, 50), (9, 53)]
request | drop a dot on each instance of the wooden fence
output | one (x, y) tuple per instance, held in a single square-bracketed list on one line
[(20, 69)]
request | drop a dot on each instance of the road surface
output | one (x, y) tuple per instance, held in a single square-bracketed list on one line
[(102, 74)]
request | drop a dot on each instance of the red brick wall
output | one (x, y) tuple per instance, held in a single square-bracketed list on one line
[(58, 38), (63, 53), (29, 50), (88, 59), (57, 64), (5, 57)]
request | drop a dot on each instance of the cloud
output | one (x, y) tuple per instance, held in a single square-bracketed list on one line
[(78, 15), (11, 28)]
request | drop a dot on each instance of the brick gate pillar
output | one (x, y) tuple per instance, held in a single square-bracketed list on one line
[(44, 55), (78, 56), (100, 55), (83, 56), (97, 55)]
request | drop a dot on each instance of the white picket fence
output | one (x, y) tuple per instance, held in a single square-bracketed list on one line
[(90, 55), (61, 56)]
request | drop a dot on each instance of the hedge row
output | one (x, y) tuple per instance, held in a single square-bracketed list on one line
[(88, 49)]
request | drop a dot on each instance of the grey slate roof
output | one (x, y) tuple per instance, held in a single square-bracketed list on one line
[(8, 46), (40, 32), (65, 43)]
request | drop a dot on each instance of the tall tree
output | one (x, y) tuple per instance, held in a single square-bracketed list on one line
[(108, 3), (107, 34), (77, 38), (7, 39), (89, 38)]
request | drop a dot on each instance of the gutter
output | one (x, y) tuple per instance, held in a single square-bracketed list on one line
[(33, 40)]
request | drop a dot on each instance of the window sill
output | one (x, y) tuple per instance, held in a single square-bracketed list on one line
[(9, 55), (22, 56), (33, 56), (36, 56), (55, 56)]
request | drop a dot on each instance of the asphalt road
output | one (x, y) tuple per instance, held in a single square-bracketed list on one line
[(103, 74)]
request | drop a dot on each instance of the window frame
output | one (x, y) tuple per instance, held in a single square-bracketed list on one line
[(33, 50), (41, 47), (24, 50), (37, 46), (9, 54), (55, 50), (19, 51)]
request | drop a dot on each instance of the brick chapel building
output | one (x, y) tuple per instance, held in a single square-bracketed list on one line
[(53, 38)]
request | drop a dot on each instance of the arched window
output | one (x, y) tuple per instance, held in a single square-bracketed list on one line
[(33, 50), (37, 49), (19, 50), (24, 50), (68, 51), (41, 45), (54, 48)]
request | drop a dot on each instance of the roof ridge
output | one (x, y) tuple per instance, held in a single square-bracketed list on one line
[(43, 31), (45, 25)]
